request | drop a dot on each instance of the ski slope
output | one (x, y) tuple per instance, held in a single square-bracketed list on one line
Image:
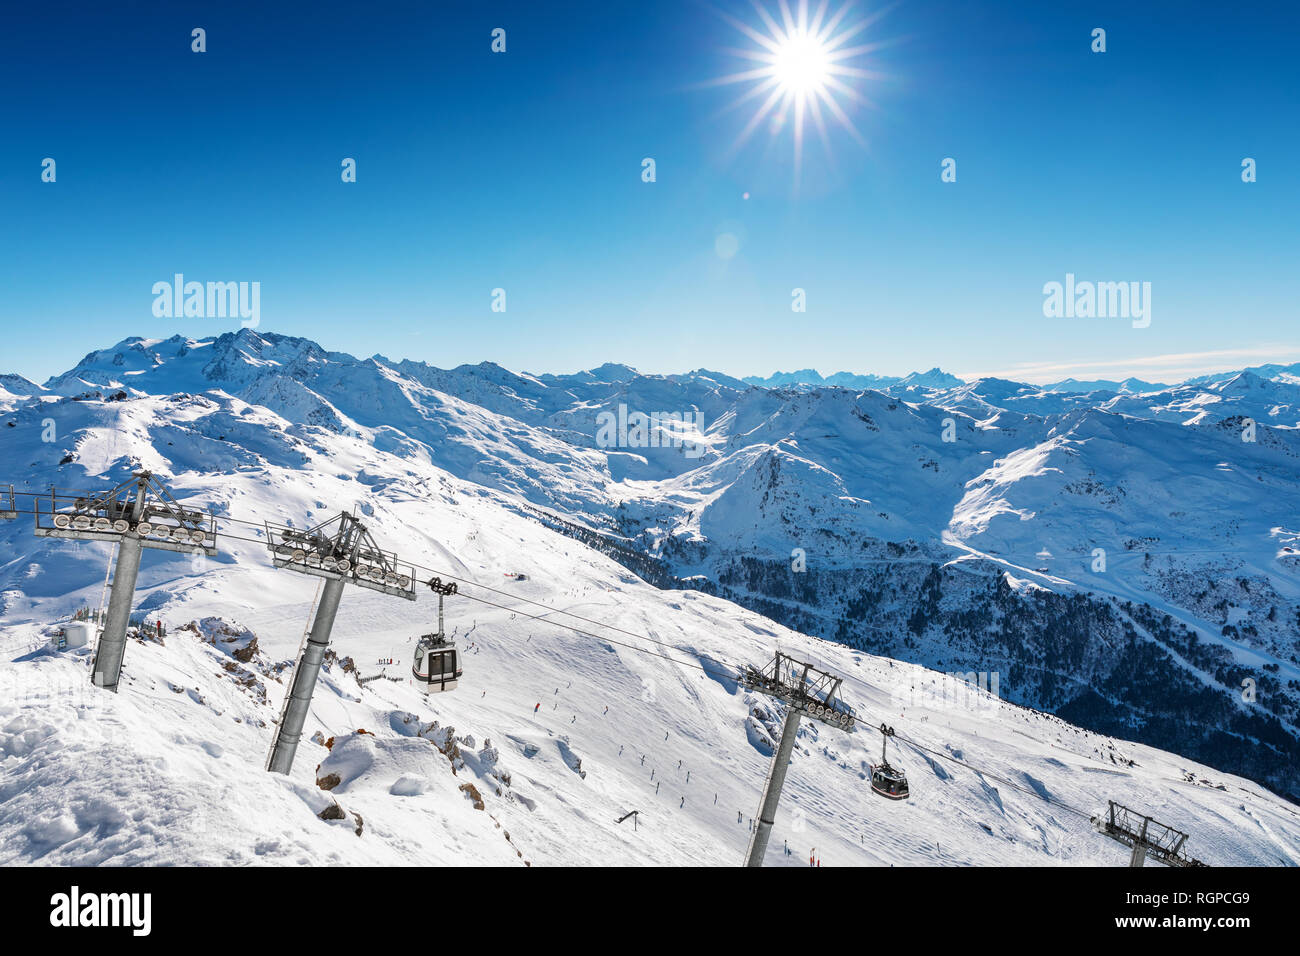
[(171, 769)]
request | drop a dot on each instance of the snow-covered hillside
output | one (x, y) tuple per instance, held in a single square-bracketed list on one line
[(171, 768), (976, 554)]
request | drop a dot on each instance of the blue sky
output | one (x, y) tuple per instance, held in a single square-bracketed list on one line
[(522, 171)]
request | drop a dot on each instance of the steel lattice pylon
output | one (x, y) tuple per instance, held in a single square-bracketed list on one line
[(139, 508), (1145, 836), (342, 552), (804, 689), (136, 514)]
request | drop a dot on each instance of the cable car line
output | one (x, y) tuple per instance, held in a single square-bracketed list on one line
[(485, 587), (544, 620), (598, 637), (549, 608), (935, 753), (1053, 801), (262, 542), (993, 776)]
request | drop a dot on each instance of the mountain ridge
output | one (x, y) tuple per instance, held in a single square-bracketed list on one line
[(913, 507)]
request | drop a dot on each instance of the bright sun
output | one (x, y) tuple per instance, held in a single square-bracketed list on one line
[(801, 69), (801, 64)]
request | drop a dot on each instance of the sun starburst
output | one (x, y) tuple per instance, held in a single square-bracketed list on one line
[(803, 69)]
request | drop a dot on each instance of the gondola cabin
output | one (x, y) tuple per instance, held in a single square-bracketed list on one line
[(889, 782), (436, 667)]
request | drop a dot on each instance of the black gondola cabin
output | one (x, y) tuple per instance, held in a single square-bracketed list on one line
[(889, 782)]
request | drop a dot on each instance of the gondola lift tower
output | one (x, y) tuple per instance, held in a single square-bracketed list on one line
[(139, 513), (341, 551), (1145, 837), (804, 689)]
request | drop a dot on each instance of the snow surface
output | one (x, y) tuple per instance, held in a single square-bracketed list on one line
[(170, 770)]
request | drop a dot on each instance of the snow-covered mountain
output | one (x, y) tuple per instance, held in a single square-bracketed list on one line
[(935, 378), (955, 528), (1128, 385), (15, 386)]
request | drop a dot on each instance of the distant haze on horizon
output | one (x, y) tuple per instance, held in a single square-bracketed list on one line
[(1168, 370)]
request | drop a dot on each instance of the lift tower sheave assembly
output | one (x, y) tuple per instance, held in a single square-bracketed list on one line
[(1145, 836), (804, 690), (139, 513), (341, 551)]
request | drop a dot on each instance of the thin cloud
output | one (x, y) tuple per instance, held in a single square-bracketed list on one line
[(1174, 366)]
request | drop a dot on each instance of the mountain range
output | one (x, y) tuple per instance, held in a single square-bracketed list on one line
[(1121, 555)]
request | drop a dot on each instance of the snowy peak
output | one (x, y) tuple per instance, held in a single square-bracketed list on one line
[(844, 513), (934, 378), (719, 379), (1129, 386), (807, 376), (1242, 383), (17, 385), (1135, 506)]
